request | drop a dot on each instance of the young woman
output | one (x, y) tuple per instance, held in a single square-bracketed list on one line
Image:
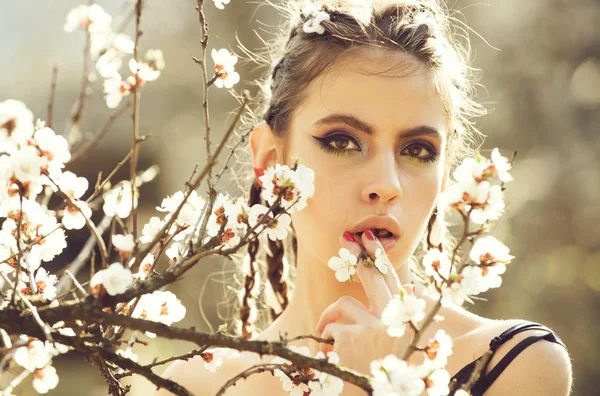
[(374, 97)]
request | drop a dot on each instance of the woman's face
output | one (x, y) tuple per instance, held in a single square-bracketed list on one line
[(376, 144)]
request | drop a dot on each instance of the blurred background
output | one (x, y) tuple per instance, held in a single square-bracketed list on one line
[(542, 88)]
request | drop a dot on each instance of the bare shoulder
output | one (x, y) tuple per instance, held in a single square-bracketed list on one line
[(543, 368), (194, 376)]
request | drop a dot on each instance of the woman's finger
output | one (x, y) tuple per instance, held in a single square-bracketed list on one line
[(334, 330), (373, 282), (347, 308), (372, 245)]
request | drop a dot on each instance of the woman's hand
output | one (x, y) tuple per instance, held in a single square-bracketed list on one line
[(365, 337)]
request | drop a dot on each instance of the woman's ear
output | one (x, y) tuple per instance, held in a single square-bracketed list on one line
[(263, 146)]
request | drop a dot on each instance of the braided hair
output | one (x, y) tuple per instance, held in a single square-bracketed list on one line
[(275, 255)]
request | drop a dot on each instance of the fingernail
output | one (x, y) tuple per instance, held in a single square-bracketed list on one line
[(410, 288), (348, 236), (258, 172), (370, 235)]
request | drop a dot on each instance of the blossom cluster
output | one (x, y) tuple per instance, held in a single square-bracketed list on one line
[(35, 356), (107, 50), (32, 158), (231, 218), (401, 310), (477, 194), (318, 384), (392, 376)]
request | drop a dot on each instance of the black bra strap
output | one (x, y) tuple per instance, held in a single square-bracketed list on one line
[(518, 328), (509, 357)]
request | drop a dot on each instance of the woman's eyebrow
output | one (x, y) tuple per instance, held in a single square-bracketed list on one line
[(367, 128)]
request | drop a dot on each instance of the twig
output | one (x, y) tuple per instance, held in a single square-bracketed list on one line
[(329, 341), (15, 382), (478, 370), (34, 311), (19, 252), (186, 356), (77, 284), (202, 63), (114, 386), (241, 140), (98, 187), (136, 127), (136, 368), (74, 267), (100, 134), (52, 93), (256, 369)]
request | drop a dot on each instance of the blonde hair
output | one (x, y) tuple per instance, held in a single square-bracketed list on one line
[(423, 29)]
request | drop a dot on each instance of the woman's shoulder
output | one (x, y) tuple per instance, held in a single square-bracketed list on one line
[(195, 377), (525, 352)]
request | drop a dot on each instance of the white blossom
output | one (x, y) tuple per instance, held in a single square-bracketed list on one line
[(437, 383), (92, 18), (488, 251), (53, 146), (72, 185), (501, 166), (219, 3), (296, 186), (109, 63), (151, 229), (34, 355), (26, 165), (491, 206), (143, 70), (225, 68), (154, 58), (115, 89), (45, 283), (145, 267), (45, 379), (382, 262), (160, 306), (436, 264), (276, 228), (471, 170), (344, 265), (115, 278), (127, 354), (472, 279), (74, 215), (393, 377), (461, 392), (313, 24), (117, 201), (189, 213), (215, 357), (438, 349), (327, 385), (400, 310), (16, 124), (124, 243)]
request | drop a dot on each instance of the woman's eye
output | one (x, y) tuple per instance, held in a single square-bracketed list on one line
[(420, 152), (338, 144), (342, 143)]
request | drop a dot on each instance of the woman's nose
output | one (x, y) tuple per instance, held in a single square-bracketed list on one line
[(383, 183)]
